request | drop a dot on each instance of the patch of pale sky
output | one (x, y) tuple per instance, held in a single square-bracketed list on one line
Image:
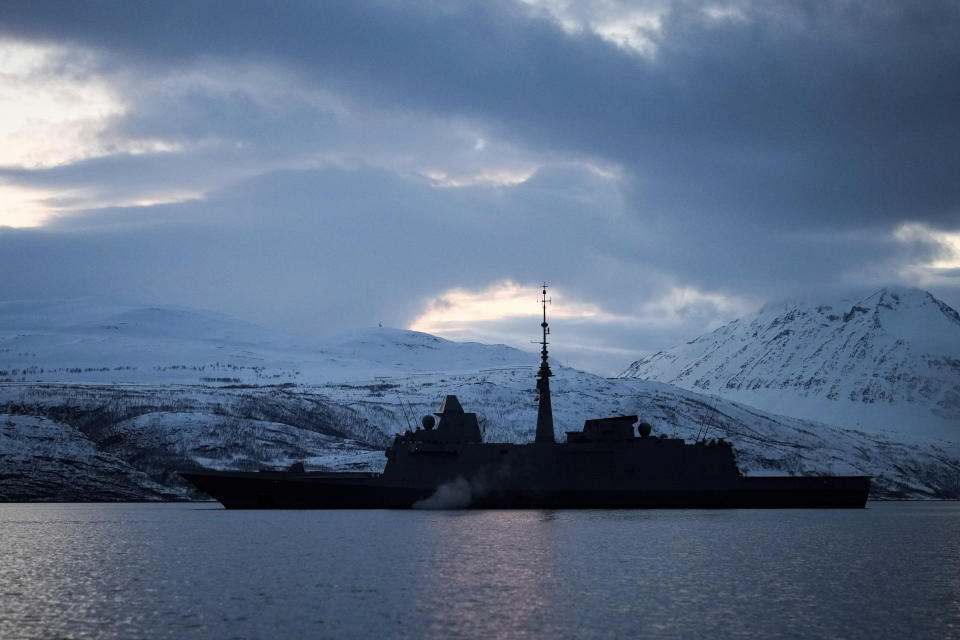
[(53, 113), (21, 207), (49, 115), (513, 175), (455, 309), (944, 268), (490, 315), (159, 197), (559, 11), (631, 31), (680, 301), (499, 301), (491, 177), (606, 171), (947, 242), (620, 23), (724, 12)]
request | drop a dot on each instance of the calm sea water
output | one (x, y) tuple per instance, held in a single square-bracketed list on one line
[(198, 571)]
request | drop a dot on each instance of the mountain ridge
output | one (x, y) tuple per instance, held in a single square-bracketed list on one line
[(155, 403), (897, 348)]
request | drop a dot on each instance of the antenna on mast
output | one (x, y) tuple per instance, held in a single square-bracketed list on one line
[(545, 409), (544, 301), (404, 410), (705, 427)]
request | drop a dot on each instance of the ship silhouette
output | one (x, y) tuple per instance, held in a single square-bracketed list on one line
[(609, 463)]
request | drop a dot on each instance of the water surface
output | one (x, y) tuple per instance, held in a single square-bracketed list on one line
[(198, 571)]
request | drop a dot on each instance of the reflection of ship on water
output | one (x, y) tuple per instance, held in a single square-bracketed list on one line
[(606, 464)]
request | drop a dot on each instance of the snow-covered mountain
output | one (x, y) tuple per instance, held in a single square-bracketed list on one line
[(889, 362), (92, 341), (161, 389)]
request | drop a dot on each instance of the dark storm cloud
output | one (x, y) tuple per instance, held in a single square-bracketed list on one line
[(837, 113)]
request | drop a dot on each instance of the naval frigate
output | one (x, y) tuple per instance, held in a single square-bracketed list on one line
[(609, 463)]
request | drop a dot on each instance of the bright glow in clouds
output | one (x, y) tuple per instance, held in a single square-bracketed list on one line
[(459, 311), (493, 177), (21, 207), (53, 113), (593, 337), (454, 311), (948, 244), (49, 114), (631, 31), (618, 23)]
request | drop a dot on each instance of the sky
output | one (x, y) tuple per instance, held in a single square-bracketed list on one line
[(316, 167)]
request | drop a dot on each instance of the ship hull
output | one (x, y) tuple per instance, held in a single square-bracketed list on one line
[(290, 490)]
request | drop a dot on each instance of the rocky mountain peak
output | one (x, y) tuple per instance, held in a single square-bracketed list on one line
[(896, 348)]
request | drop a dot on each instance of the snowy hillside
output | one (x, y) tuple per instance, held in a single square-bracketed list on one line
[(888, 363), (91, 341), (41, 459), (162, 389)]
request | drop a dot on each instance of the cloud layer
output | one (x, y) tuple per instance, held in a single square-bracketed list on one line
[(316, 166)]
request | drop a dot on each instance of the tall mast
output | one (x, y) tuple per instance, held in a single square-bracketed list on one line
[(544, 410)]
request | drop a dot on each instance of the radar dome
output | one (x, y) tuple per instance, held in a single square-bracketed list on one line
[(644, 429), (428, 421)]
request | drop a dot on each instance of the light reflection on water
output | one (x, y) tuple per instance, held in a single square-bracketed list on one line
[(489, 564), (193, 571)]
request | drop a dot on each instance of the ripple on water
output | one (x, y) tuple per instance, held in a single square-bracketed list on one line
[(188, 571)]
